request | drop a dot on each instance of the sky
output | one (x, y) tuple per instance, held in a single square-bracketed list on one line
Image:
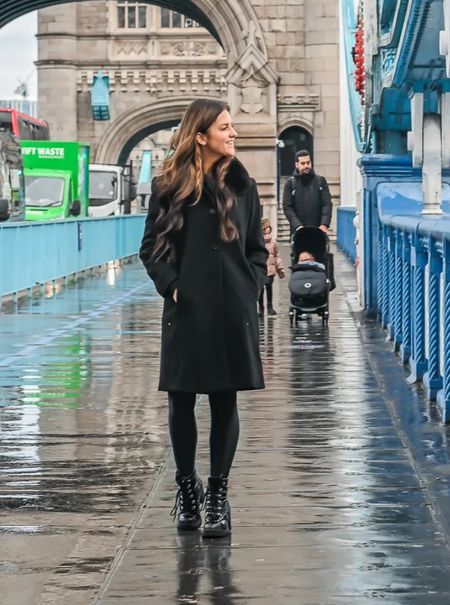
[(18, 50)]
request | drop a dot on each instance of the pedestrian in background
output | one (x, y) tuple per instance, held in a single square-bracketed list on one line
[(306, 196), (274, 267), (204, 249)]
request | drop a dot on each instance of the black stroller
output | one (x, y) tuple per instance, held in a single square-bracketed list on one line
[(311, 281)]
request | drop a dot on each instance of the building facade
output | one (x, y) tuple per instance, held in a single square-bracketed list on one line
[(277, 65)]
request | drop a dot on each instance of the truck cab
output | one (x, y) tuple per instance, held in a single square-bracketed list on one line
[(56, 179), (49, 195), (109, 190)]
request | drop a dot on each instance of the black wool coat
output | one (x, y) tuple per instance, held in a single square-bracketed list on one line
[(307, 203), (210, 337)]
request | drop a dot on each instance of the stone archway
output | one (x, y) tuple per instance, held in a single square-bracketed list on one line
[(294, 138), (126, 126), (230, 21), (249, 81), (263, 71), (140, 135)]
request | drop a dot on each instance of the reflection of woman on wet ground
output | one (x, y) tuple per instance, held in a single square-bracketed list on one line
[(203, 248)]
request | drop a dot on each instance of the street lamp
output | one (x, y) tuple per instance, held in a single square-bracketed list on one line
[(279, 145)]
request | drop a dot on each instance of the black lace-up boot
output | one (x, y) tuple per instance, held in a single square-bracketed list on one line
[(188, 502), (218, 513)]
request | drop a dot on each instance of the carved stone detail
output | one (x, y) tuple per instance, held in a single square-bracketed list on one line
[(253, 96), (253, 80), (130, 49), (160, 82), (299, 102), (190, 49)]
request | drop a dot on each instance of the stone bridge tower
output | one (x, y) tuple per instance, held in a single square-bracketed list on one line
[(278, 66)]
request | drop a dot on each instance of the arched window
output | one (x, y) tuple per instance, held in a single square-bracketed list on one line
[(294, 139)]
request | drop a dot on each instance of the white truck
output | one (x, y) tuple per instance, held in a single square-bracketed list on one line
[(110, 190)]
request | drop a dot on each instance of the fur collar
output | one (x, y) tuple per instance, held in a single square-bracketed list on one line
[(237, 177)]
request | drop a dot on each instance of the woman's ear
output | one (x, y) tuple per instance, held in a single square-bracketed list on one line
[(200, 138)]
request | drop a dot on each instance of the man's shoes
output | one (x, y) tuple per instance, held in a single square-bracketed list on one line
[(271, 311)]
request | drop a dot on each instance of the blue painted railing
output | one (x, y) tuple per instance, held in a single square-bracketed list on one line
[(35, 253), (346, 232), (407, 270), (413, 298)]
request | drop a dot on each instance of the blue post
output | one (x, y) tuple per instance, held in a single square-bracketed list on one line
[(398, 282), (443, 398), (418, 362), (380, 273), (405, 349), (391, 283), (433, 378), (384, 279)]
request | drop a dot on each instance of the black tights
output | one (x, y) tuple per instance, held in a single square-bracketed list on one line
[(269, 292), (223, 437)]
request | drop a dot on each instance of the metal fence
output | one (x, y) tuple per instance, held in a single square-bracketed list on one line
[(413, 298), (35, 253), (346, 232)]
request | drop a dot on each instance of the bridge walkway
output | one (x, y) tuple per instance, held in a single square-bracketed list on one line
[(339, 490)]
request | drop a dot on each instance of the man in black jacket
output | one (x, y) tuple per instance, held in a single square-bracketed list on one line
[(306, 196)]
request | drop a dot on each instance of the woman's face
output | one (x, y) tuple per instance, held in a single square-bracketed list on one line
[(220, 136)]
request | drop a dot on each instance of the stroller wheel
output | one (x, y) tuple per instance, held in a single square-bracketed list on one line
[(325, 318), (291, 316)]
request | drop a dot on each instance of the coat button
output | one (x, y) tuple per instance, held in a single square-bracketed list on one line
[(214, 248), (212, 211)]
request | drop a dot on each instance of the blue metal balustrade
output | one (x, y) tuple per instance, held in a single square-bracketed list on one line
[(404, 240), (35, 253), (346, 232), (407, 269)]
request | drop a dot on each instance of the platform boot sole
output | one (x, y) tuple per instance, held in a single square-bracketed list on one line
[(189, 525), (217, 532)]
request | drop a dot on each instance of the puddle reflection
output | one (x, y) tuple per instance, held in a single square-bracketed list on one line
[(205, 569)]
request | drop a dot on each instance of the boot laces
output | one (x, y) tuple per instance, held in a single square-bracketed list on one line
[(214, 504), (185, 500)]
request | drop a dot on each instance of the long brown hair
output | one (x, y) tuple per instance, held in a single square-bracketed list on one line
[(181, 178)]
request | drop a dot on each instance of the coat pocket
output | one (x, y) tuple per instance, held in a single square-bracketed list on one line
[(254, 281), (169, 317)]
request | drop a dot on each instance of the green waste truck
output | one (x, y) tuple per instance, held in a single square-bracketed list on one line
[(56, 179)]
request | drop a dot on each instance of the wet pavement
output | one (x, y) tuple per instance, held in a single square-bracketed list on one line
[(339, 490)]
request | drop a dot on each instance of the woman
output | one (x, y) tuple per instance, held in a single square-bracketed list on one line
[(203, 248)]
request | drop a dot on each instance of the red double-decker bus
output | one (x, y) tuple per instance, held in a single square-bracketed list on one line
[(23, 126)]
